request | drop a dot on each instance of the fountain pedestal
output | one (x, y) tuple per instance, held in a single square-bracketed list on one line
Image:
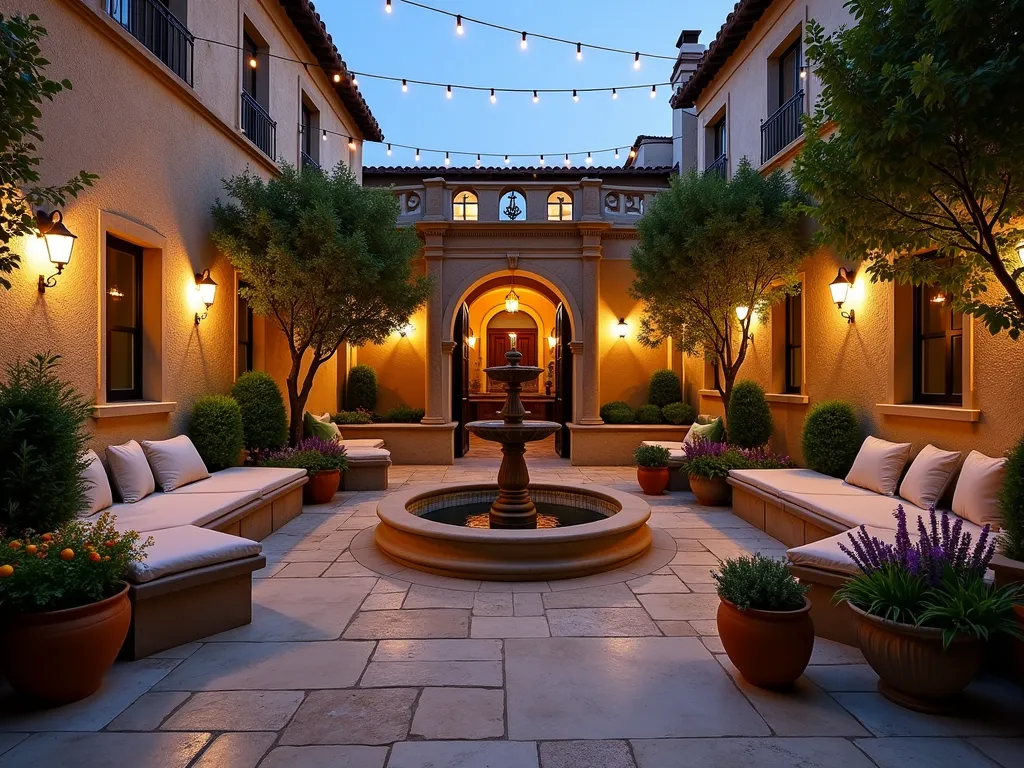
[(513, 508)]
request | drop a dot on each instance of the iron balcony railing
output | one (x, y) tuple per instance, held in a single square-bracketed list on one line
[(258, 126), (309, 162), (782, 127), (719, 167), (153, 25)]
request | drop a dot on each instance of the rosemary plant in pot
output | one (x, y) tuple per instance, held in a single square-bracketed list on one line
[(324, 460), (652, 468), (764, 620), (924, 610)]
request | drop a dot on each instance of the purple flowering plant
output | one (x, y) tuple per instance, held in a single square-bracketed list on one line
[(708, 458), (936, 581), (314, 454)]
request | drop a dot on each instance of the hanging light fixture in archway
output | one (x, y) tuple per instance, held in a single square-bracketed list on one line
[(512, 298)]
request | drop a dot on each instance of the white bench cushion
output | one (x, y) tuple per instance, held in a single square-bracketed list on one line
[(368, 456), (263, 480), (672, 445), (187, 547), (169, 510), (826, 555), (803, 481), (361, 442)]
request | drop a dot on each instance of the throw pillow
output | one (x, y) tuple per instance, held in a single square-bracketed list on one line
[(174, 462), (326, 419), (97, 494), (977, 491), (929, 476), (132, 476), (313, 427), (714, 431), (878, 465)]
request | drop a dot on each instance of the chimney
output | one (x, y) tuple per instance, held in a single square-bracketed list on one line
[(690, 52)]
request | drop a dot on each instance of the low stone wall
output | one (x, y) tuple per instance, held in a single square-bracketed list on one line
[(409, 443), (613, 444)]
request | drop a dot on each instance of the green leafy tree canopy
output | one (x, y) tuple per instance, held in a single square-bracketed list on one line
[(928, 151), (323, 260), (707, 246), (23, 88)]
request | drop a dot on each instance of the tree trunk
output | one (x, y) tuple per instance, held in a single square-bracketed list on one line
[(296, 405)]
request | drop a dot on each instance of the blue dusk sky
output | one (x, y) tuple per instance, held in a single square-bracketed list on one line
[(418, 44)]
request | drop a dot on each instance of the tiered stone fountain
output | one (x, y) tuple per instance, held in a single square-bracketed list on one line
[(513, 530)]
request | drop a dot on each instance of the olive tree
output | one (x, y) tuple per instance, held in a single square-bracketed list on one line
[(708, 246), (323, 260), (923, 174)]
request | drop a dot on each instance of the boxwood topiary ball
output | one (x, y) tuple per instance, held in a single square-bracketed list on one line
[(831, 438)]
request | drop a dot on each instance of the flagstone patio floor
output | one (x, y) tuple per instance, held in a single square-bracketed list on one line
[(352, 661)]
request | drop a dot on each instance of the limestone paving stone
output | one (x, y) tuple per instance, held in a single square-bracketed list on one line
[(235, 711), (9, 740), (517, 626), (422, 623), (586, 754), (694, 558), (705, 626), (236, 750), (843, 677), (392, 674), (106, 750), (762, 753), (463, 754), (607, 596), (1006, 752), (148, 711), (270, 666), (420, 596), (386, 601), (601, 622), (357, 716), (492, 604), (924, 753), (528, 603), (680, 607), (831, 652), (655, 584), (676, 628), (460, 713), (326, 757), (438, 650), (694, 574), (307, 570), (341, 570)]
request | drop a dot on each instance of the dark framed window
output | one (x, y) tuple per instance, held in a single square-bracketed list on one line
[(308, 143), (938, 348), (123, 293), (794, 344), (789, 73), (719, 137), (250, 75), (243, 316)]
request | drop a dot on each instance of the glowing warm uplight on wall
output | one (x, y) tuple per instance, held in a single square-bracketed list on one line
[(552, 341), (471, 339), (59, 242), (840, 290), (741, 313), (621, 328), (207, 288), (406, 330)]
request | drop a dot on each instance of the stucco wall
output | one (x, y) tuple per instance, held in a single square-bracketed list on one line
[(400, 364), (161, 161)]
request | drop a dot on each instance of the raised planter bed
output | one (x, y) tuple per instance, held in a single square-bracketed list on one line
[(613, 444), (410, 443)]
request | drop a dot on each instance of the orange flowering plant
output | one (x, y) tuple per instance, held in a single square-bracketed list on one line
[(82, 562)]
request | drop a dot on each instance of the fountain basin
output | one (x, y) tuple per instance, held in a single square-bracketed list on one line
[(618, 536)]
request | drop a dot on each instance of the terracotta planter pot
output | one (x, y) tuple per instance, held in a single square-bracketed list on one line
[(56, 657), (653, 480), (769, 648), (711, 491), (913, 668), (321, 486)]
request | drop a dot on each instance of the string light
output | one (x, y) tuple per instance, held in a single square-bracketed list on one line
[(636, 60), (615, 93), (351, 143), (614, 90), (418, 156), (478, 161), (567, 161), (575, 96), (522, 43), (253, 63), (632, 154), (355, 81), (447, 159), (506, 159), (616, 154), (337, 77), (449, 94), (325, 135), (387, 6), (405, 86), (536, 98), (579, 51), (589, 158), (458, 24), (654, 91), (493, 97), (389, 150), (542, 159)]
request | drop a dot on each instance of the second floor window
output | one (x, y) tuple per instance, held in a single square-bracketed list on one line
[(794, 344), (789, 74), (250, 74), (938, 348), (465, 207), (559, 206), (718, 137)]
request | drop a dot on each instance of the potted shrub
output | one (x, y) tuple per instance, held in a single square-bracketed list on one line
[(831, 438), (749, 418), (65, 607), (324, 460), (217, 431), (707, 464), (764, 620), (264, 420), (924, 610), (652, 468)]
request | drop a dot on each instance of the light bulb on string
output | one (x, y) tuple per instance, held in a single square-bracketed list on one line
[(589, 159), (447, 159), (632, 154), (636, 60), (506, 159), (405, 86), (616, 153), (449, 93), (417, 155), (389, 150), (387, 6), (355, 81), (536, 98), (568, 162), (542, 159), (337, 77), (458, 24), (654, 91), (575, 96), (522, 43), (615, 93), (579, 51), (325, 135), (478, 161), (494, 98)]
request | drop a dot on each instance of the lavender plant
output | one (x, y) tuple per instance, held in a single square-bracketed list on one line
[(709, 458), (314, 454)]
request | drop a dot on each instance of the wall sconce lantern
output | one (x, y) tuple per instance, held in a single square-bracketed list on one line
[(471, 339), (621, 328), (552, 341), (512, 338), (512, 298), (207, 292), (840, 288), (59, 240), (406, 330)]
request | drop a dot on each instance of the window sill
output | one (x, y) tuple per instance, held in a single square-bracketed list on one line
[(132, 408), (709, 393), (938, 412), (790, 398)]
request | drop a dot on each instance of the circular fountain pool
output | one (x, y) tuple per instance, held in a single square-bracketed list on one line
[(580, 530)]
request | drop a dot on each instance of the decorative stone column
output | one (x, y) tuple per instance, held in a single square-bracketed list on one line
[(434, 208), (590, 208), (433, 253), (589, 373)]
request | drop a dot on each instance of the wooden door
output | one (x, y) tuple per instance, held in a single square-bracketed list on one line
[(563, 380), (498, 343), (460, 382)]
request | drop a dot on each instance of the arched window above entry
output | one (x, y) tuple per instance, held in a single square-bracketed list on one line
[(560, 206), (465, 207), (512, 206)]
